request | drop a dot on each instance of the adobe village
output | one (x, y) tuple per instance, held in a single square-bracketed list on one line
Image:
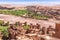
[(29, 22)]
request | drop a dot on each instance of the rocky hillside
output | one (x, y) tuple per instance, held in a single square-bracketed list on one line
[(52, 11)]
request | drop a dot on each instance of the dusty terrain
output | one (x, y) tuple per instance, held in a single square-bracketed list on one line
[(13, 19)]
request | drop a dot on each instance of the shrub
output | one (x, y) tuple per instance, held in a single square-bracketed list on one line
[(1, 22), (26, 27), (5, 33), (4, 30)]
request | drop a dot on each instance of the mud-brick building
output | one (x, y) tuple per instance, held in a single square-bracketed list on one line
[(57, 30)]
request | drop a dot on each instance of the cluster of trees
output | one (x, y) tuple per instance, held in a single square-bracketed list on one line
[(13, 12), (23, 12), (37, 16), (3, 28)]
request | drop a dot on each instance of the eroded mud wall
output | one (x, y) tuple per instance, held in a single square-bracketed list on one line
[(57, 30)]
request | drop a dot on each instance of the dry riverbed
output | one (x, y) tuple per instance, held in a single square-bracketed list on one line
[(13, 19)]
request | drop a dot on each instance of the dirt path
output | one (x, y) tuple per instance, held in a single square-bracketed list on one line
[(13, 19)]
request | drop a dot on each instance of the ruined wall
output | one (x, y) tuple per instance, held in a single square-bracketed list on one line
[(57, 34)]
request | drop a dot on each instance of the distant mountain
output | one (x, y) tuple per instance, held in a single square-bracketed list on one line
[(18, 6), (8, 6)]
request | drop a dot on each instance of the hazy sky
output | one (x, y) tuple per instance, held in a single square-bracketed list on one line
[(28, 2)]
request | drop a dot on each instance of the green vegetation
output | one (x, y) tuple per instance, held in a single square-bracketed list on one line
[(37, 16), (23, 12), (26, 27), (4, 30), (13, 12), (41, 16), (1, 22)]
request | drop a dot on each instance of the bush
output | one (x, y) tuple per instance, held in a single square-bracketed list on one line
[(1, 22), (26, 27), (5, 33), (4, 30)]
